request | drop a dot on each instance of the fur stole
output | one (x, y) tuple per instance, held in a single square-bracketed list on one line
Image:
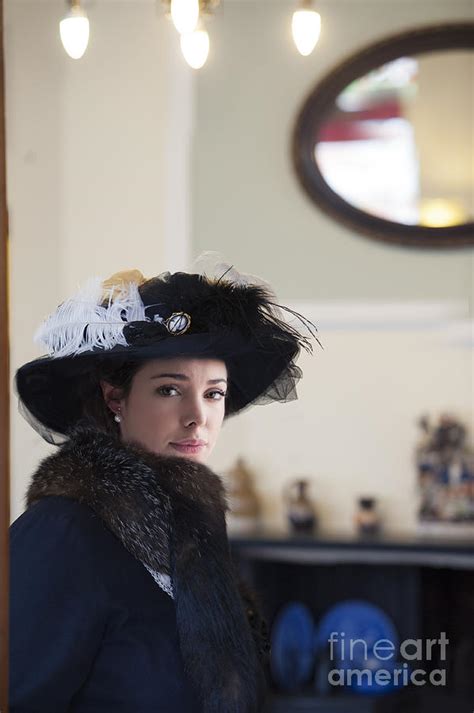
[(169, 513)]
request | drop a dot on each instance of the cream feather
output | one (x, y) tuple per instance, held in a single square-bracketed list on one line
[(64, 332)]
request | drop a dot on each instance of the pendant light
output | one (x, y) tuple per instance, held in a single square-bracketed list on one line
[(185, 15), (306, 27), (195, 46), (188, 19), (74, 30)]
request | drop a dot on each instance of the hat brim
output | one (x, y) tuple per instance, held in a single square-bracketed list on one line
[(50, 388)]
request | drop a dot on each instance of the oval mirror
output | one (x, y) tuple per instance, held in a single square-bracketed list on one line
[(385, 142)]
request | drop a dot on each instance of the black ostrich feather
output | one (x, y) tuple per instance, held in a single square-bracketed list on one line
[(217, 304)]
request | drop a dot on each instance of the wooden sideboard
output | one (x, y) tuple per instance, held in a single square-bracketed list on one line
[(425, 584)]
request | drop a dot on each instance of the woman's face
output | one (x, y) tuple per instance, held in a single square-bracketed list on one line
[(175, 406)]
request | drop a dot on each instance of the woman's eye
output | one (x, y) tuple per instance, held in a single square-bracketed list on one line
[(165, 390), (214, 395), (220, 394)]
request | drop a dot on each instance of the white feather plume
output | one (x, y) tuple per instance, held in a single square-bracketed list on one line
[(213, 265), (64, 332)]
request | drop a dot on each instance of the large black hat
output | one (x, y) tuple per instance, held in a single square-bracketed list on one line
[(229, 317)]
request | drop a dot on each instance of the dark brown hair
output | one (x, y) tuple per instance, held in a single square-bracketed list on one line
[(120, 374)]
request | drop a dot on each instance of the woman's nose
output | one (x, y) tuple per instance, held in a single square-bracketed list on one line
[(194, 413)]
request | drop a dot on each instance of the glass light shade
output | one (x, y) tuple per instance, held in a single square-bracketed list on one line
[(74, 32), (185, 15), (195, 48), (306, 28)]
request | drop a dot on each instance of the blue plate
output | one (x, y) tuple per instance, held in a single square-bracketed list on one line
[(292, 641), (353, 620), (362, 678)]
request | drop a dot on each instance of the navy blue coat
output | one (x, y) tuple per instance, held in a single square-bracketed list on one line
[(90, 630)]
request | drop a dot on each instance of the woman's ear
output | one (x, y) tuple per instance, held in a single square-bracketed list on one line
[(112, 395)]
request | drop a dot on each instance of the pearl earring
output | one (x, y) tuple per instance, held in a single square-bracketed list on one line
[(117, 418)]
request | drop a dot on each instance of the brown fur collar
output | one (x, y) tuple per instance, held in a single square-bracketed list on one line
[(169, 512)]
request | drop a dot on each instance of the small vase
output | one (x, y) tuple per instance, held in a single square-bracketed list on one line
[(300, 511), (367, 521), (244, 507)]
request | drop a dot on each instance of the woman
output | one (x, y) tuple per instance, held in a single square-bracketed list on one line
[(123, 593)]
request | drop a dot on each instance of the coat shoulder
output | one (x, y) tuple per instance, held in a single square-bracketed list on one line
[(62, 531), (60, 535), (54, 511)]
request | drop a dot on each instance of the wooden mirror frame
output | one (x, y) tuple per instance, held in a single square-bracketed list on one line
[(320, 102)]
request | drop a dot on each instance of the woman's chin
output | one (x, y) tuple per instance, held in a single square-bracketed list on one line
[(195, 457)]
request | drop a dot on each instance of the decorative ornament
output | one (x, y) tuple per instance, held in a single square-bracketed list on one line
[(178, 323), (445, 464), (300, 510), (244, 506)]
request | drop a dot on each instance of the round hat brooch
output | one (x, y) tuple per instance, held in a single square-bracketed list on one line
[(178, 323)]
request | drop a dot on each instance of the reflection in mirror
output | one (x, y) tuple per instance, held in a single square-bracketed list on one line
[(384, 143), (398, 143)]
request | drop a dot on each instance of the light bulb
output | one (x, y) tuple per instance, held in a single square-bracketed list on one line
[(74, 32), (306, 28), (195, 47), (441, 213), (185, 15)]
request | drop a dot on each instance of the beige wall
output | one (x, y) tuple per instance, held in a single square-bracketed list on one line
[(127, 159), (246, 200), (97, 163), (353, 429), (394, 322)]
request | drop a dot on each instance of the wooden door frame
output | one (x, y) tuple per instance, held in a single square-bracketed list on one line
[(4, 396)]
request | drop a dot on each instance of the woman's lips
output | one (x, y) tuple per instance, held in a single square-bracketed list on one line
[(182, 448)]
